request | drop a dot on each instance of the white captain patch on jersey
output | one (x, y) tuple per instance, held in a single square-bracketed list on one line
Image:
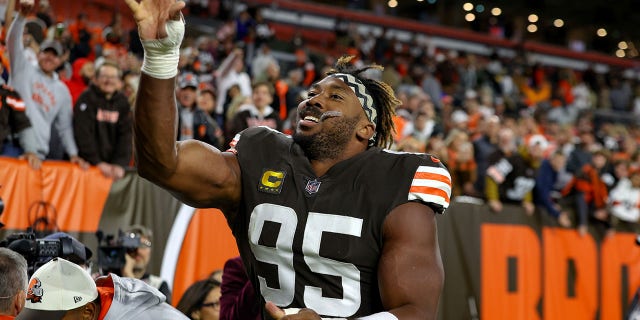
[(431, 185)]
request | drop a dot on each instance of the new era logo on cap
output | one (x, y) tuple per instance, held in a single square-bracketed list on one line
[(57, 287)]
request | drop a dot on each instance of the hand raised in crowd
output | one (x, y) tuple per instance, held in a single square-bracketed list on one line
[(34, 161), (151, 16), (79, 161), (25, 7), (278, 314)]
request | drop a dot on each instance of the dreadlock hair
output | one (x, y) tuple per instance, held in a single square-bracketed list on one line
[(384, 99)]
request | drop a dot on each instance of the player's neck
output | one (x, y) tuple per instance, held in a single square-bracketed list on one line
[(321, 166)]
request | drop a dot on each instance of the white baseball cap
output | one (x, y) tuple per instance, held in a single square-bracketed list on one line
[(55, 288), (540, 140)]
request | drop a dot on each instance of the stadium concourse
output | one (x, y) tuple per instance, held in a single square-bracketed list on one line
[(541, 141)]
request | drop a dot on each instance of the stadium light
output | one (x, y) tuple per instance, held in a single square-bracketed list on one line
[(533, 18), (467, 6), (496, 11), (392, 3), (558, 23), (602, 32), (470, 17), (623, 45), (620, 53), (480, 8), (532, 28)]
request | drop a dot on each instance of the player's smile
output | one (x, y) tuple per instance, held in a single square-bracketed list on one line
[(309, 116), (308, 121)]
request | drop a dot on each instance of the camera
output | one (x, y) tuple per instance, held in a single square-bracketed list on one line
[(39, 251), (111, 255)]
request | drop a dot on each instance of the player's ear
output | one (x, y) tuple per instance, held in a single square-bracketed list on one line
[(366, 130), (195, 315)]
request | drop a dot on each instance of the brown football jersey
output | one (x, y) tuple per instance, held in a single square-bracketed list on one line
[(314, 242)]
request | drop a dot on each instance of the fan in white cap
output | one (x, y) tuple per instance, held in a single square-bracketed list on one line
[(55, 288)]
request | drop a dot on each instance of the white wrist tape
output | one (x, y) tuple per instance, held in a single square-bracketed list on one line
[(379, 316), (161, 56)]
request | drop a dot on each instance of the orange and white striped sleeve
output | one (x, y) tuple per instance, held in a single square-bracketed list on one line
[(16, 103), (431, 185)]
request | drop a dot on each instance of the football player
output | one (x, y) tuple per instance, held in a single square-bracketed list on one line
[(328, 223)]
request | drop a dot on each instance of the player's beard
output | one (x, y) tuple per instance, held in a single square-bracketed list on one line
[(328, 143)]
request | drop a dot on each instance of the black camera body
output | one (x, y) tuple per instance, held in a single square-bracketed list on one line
[(39, 251), (111, 255)]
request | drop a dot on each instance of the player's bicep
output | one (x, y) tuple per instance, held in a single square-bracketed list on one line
[(205, 176), (410, 272)]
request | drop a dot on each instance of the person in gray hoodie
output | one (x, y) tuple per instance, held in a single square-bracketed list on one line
[(63, 290), (47, 99)]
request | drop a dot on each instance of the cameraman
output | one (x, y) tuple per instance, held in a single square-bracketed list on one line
[(13, 283), (138, 259)]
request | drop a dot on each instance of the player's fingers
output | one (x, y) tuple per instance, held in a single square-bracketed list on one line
[(133, 5), (174, 10), (275, 312)]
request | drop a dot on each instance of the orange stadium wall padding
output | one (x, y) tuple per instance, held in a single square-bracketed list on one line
[(83, 202), (509, 265), (503, 265), (74, 195), (207, 245)]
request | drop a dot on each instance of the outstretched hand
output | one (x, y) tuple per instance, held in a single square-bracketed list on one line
[(152, 15)]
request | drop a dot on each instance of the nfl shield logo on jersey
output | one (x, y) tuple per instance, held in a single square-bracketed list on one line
[(312, 186)]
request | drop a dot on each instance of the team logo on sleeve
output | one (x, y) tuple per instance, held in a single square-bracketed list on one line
[(271, 181), (35, 292)]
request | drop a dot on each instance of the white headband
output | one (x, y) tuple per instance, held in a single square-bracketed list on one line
[(365, 98)]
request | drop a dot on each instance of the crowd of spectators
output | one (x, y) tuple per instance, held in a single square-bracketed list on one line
[(557, 141)]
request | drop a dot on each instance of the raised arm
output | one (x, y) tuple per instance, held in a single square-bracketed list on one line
[(9, 11), (411, 275), (196, 173), (17, 58)]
